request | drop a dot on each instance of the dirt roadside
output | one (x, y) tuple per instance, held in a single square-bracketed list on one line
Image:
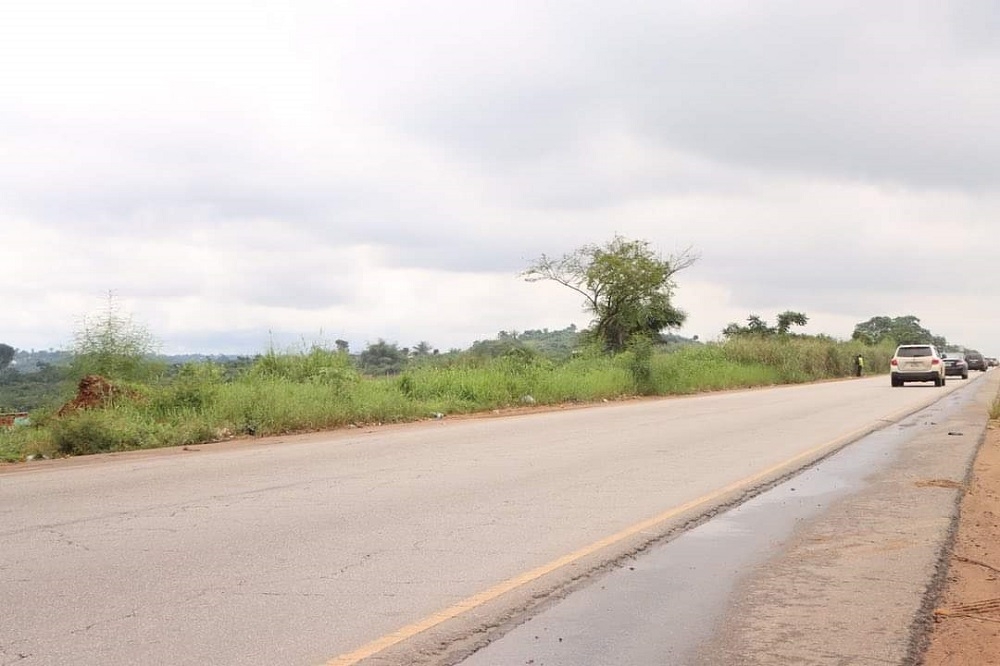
[(967, 620)]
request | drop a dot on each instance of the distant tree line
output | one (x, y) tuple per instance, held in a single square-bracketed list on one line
[(903, 330), (626, 286), (898, 330), (756, 326)]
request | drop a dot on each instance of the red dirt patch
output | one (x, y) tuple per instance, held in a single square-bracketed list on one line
[(967, 624), (8, 420), (93, 391)]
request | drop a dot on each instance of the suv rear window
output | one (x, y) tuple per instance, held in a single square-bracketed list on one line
[(909, 352)]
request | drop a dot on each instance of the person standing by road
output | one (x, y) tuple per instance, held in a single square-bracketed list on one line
[(859, 365)]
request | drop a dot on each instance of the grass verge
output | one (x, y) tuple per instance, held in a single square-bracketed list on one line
[(320, 390)]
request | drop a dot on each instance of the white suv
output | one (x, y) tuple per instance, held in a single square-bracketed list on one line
[(917, 363)]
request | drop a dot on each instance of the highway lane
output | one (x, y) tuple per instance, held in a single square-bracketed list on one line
[(835, 565), (334, 547)]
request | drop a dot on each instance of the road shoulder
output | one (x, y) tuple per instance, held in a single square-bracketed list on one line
[(967, 619), (859, 584)]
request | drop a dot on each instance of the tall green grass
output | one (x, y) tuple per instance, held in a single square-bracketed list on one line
[(318, 389), (808, 359)]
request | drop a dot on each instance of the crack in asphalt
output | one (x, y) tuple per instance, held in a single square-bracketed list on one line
[(129, 616), (64, 539), (353, 565), (9, 656), (185, 508)]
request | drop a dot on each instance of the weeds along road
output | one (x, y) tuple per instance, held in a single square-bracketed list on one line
[(378, 544)]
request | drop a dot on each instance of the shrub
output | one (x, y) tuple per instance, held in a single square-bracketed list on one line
[(317, 365), (193, 388), (640, 364), (110, 344), (94, 431)]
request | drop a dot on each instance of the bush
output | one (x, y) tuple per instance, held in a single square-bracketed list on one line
[(112, 345), (640, 364), (16, 443), (94, 431), (193, 388), (317, 365)]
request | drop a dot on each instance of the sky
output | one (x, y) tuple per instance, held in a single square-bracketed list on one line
[(241, 174)]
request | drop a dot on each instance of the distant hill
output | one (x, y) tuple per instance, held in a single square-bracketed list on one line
[(30, 361), (27, 362), (181, 359)]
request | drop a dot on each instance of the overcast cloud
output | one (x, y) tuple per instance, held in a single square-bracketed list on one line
[(245, 172)]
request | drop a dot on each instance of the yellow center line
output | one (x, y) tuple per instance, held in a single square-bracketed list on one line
[(492, 593)]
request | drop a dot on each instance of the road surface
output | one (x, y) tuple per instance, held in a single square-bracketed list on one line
[(381, 543)]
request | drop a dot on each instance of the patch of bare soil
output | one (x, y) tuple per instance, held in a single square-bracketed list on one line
[(92, 392), (967, 621)]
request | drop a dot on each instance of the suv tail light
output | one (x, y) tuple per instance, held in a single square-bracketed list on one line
[(935, 361), (893, 362)]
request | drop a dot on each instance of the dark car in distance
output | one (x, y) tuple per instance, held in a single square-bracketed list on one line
[(976, 361), (955, 364)]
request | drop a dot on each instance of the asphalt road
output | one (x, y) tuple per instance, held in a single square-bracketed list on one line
[(380, 544), (839, 564)]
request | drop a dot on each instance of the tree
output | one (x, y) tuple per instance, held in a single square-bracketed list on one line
[(342, 346), (6, 355), (788, 318), (422, 348), (757, 326), (626, 285), (873, 331), (382, 358), (899, 330), (112, 345)]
